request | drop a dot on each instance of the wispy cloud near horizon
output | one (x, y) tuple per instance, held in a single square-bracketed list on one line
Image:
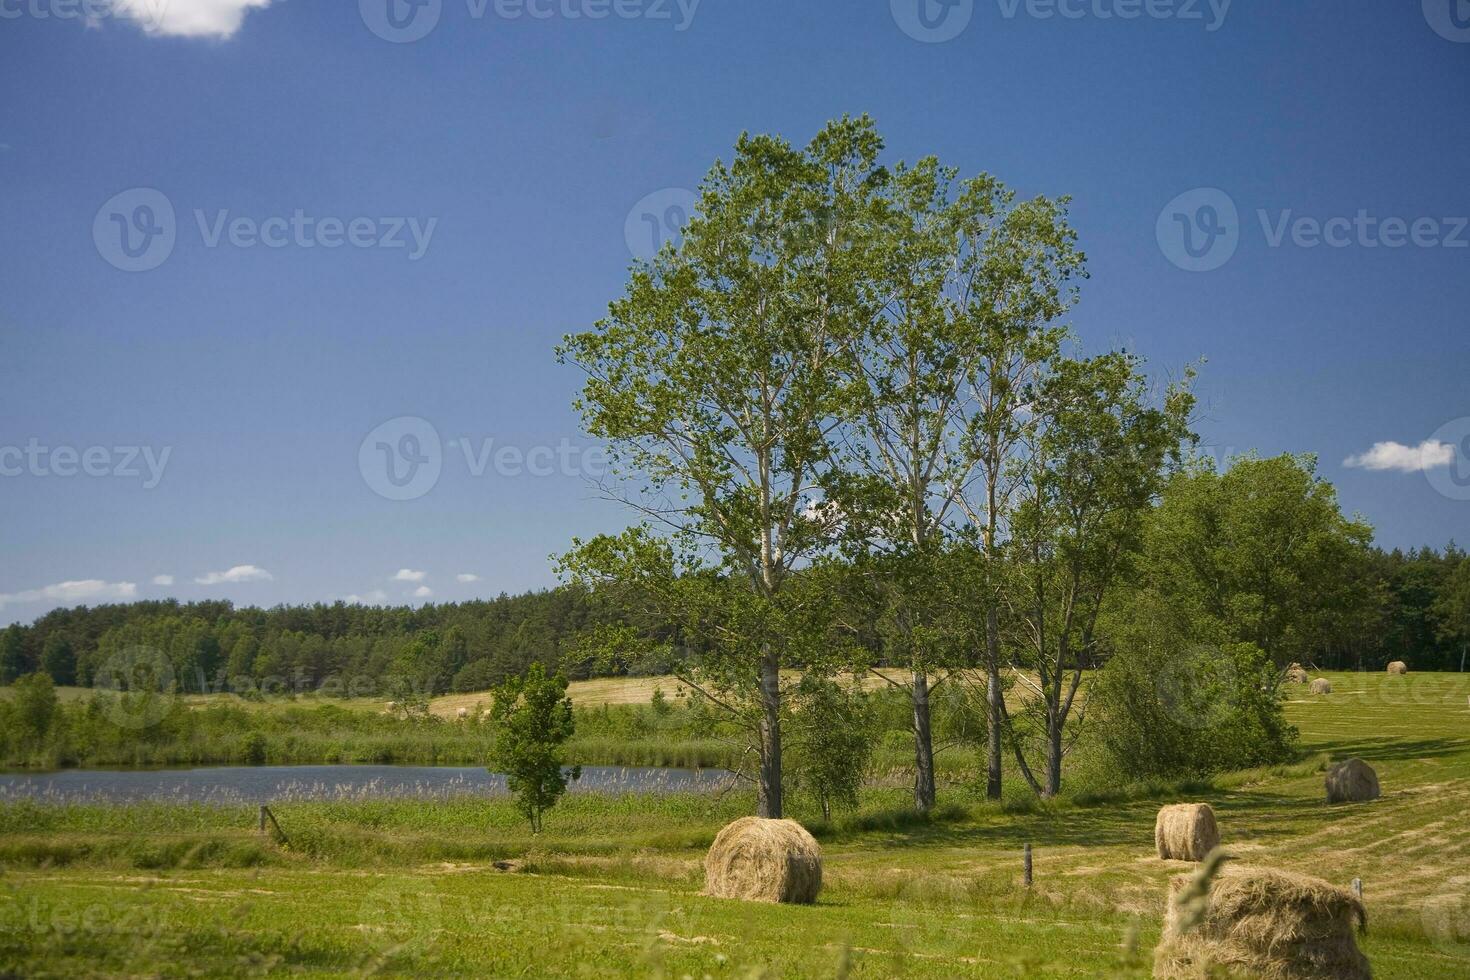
[(80, 590), (240, 573)]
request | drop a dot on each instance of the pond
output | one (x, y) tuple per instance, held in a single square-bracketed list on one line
[(273, 784)]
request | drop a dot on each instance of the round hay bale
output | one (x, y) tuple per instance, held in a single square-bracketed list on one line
[(1398, 667), (1353, 781), (1259, 922), (1321, 686), (1297, 674), (1186, 832), (760, 860)]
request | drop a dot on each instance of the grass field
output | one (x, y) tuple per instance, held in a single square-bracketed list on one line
[(611, 887)]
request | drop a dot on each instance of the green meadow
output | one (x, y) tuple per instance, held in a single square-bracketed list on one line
[(611, 887)]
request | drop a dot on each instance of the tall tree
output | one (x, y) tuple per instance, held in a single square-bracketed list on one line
[(12, 653), (964, 282), (1263, 549), (1096, 464), (715, 381), (1452, 609)]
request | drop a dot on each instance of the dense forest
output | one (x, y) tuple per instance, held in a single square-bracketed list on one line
[(339, 648), (471, 646)]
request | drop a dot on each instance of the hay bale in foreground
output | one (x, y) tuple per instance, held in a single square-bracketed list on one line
[(1259, 922), (1398, 667), (1321, 686), (762, 860), (1353, 781), (1186, 832), (1297, 674)]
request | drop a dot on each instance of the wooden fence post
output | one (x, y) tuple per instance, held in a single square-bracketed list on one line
[(265, 812), (1358, 888), (1026, 865)]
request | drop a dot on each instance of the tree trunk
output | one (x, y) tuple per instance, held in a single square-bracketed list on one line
[(993, 696), (769, 792), (1053, 755), (923, 745)]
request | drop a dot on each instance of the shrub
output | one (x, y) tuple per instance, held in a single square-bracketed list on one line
[(832, 741), (1166, 706)]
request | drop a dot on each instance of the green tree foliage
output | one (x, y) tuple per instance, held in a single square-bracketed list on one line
[(964, 284), (716, 381), (532, 718), (1176, 700), (1452, 607), (59, 660), (33, 707), (834, 731), (1264, 551), (1099, 448), (12, 653)]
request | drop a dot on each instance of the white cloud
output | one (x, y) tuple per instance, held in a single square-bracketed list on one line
[(373, 598), (409, 575), (218, 19), (467, 577), (422, 592), (1428, 455), (163, 580), (240, 573), (79, 591)]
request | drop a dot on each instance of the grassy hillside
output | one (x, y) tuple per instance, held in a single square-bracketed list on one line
[(612, 886)]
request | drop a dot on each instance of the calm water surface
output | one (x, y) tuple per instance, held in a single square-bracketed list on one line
[(269, 784)]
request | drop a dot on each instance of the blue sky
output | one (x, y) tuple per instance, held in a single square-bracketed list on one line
[(480, 185)]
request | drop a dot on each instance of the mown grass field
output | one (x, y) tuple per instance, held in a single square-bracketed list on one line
[(612, 886)]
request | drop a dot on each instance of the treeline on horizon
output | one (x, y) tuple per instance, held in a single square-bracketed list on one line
[(356, 650)]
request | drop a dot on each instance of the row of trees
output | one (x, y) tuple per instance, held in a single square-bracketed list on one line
[(844, 367), (859, 438), (856, 432), (1412, 606)]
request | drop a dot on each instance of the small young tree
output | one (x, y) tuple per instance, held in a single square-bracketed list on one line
[(533, 719), (833, 740)]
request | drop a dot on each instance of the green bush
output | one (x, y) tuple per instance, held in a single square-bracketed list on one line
[(1168, 706)]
